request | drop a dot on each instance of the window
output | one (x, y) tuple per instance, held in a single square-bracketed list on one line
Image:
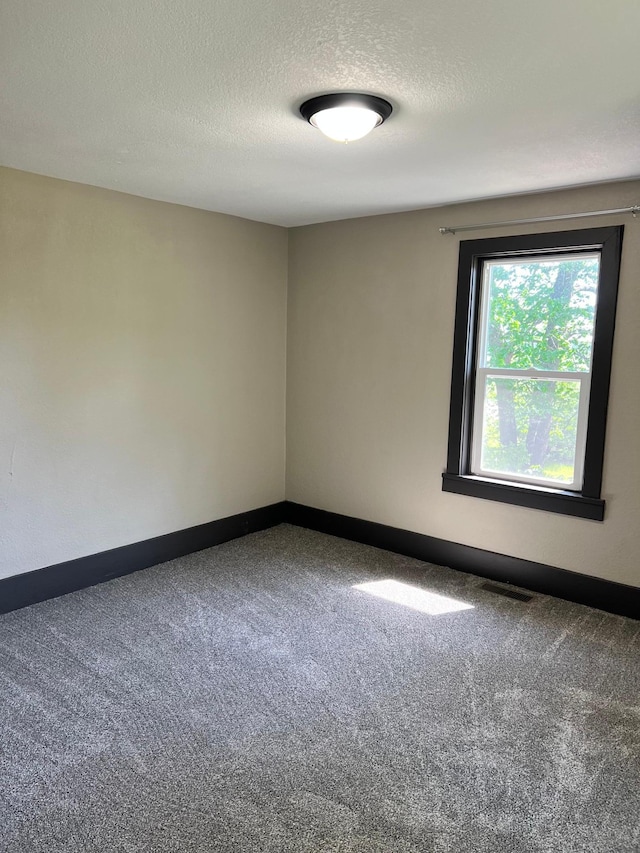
[(532, 358)]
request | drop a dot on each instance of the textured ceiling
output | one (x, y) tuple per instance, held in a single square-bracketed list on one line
[(194, 101)]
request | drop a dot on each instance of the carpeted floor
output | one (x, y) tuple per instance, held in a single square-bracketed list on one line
[(248, 698)]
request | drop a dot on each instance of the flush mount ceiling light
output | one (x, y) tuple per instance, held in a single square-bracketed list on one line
[(346, 116)]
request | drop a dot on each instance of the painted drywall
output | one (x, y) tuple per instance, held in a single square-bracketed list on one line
[(370, 330), (142, 359)]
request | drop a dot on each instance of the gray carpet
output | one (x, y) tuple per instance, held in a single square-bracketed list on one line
[(247, 698)]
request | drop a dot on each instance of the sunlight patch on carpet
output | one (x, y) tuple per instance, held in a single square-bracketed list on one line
[(413, 596)]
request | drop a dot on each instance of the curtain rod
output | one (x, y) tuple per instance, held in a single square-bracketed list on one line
[(635, 210)]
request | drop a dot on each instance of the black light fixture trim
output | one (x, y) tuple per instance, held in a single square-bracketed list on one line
[(342, 99)]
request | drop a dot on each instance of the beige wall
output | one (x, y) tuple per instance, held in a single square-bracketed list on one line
[(371, 315), (142, 368), (142, 375)]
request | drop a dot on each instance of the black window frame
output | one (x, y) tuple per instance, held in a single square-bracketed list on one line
[(457, 478)]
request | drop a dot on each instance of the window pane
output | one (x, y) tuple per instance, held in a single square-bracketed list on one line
[(539, 313), (529, 428)]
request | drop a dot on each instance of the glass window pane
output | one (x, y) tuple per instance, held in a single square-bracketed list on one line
[(529, 428), (540, 312)]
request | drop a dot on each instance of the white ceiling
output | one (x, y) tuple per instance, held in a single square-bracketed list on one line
[(195, 101)]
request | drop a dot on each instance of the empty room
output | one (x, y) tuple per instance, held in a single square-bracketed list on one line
[(319, 455)]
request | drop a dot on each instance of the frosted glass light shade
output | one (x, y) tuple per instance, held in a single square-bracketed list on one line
[(346, 116), (346, 124)]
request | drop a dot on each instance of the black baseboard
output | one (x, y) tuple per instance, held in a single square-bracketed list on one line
[(582, 589), (42, 584), (52, 581)]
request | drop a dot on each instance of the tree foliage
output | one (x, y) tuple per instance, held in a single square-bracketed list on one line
[(540, 316)]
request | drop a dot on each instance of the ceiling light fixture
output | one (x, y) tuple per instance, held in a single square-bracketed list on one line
[(345, 116)]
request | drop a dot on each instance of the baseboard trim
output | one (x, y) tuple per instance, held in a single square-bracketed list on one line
[(583, 589), (50, 582)]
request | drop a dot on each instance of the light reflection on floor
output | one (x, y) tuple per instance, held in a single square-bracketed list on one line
[(413, 596)]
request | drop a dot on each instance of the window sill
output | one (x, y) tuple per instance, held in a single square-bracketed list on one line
[(534, 497)]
